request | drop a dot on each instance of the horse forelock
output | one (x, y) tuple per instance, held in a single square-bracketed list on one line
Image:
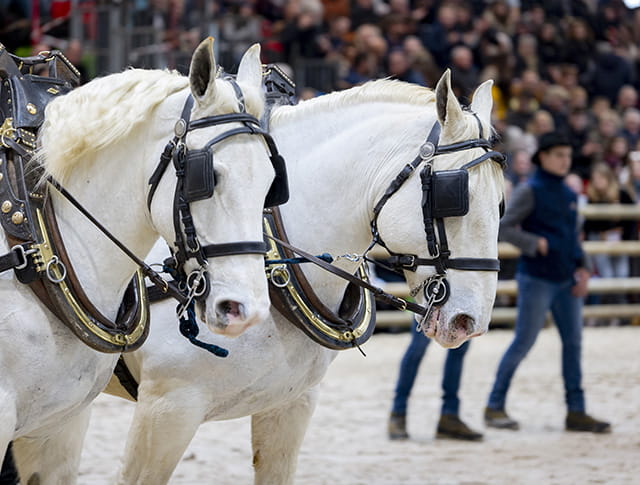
[(99, 113)]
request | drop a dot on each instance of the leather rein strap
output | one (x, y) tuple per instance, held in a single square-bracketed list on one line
[(378, 293), (164, 286)]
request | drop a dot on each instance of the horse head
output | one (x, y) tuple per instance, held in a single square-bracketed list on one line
[(186, 160), (455, 274), (225, 172)]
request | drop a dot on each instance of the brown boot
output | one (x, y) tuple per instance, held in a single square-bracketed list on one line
[(581, 421), (397, 427), (498, 418), (451, 426)]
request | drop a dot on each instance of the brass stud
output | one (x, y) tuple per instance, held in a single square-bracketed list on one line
[(6, 206), (17, 217), (31, 108)]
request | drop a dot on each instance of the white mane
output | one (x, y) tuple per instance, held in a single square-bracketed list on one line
[(381, 90), (388, 91), (100, 113)]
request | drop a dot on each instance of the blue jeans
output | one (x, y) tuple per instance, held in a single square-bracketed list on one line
[(535, 297), (409, 369)]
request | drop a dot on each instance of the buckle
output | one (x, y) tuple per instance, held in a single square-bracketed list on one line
[(407, 261), (22, 253)]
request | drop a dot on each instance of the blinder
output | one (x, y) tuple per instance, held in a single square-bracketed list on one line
[(450, 189), (199, 176)]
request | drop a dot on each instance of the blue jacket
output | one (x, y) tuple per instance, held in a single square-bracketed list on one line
[(544, 207)]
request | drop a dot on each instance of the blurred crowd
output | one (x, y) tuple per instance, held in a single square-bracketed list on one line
[(570, 66)]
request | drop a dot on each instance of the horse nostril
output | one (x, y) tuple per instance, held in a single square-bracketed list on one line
[(464, 324), (230, 310)]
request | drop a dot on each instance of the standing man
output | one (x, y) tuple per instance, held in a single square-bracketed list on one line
[(541, 220)]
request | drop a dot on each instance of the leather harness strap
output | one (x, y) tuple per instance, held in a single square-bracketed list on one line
[(292, 295), (378, 293)]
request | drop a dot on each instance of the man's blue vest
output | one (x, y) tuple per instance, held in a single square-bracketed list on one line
[(554, 217)]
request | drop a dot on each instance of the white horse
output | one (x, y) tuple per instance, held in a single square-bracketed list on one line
[(102, 142), (342, 150)]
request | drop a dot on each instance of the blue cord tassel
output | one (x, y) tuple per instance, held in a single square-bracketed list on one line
[(189, 328)]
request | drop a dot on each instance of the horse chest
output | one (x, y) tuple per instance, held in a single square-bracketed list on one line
[(285, 368), (46, 369)]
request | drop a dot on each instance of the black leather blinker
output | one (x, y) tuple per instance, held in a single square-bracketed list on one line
[(450, 193), (199, 177), (279, 191)]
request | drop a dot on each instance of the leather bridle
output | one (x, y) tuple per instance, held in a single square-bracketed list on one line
[(196, 181), (452, 187)]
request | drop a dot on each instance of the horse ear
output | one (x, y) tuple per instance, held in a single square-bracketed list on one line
[(448, 107), (250, 68), (203, 69), (482, 102)]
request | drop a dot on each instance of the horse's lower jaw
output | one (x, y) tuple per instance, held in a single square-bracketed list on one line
[(453, 333)]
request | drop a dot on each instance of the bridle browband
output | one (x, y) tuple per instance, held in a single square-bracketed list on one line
[(196, 181), (444, 194)]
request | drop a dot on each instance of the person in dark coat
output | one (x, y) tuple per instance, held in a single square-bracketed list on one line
[(541, 219)]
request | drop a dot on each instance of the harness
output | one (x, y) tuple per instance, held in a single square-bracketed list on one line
[(38, 256)]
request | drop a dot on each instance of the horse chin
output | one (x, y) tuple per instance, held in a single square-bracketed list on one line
[(451, 332)]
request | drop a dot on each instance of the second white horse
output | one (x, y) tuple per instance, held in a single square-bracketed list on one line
[(342, 151)]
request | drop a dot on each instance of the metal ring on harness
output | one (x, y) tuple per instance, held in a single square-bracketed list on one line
[(280, 270), (197, 283), (54, 261), (19, 249), (437, 291)]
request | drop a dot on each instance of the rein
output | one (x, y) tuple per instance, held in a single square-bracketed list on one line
[(164, 285), (378, 293)]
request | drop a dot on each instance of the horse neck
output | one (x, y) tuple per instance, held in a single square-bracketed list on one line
[(337, 174), (112, 188)]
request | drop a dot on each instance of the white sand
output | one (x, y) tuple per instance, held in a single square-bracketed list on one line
[(346, 443)]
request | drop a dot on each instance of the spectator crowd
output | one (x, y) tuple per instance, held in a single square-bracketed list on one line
[(571, 67)]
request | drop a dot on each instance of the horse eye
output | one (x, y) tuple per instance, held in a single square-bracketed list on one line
[(501, 208)]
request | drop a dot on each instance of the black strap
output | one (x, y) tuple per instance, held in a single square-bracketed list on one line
[(13, 259), (126, 379), (378, 293), (409, 262), (233, 248)]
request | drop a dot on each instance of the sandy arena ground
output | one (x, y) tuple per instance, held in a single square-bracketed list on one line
[(346, 443)]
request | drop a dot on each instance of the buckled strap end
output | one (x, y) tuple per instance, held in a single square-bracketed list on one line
[(14, 259)]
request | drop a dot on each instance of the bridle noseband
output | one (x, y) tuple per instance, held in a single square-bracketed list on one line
[(445, 193), (196, 181)]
